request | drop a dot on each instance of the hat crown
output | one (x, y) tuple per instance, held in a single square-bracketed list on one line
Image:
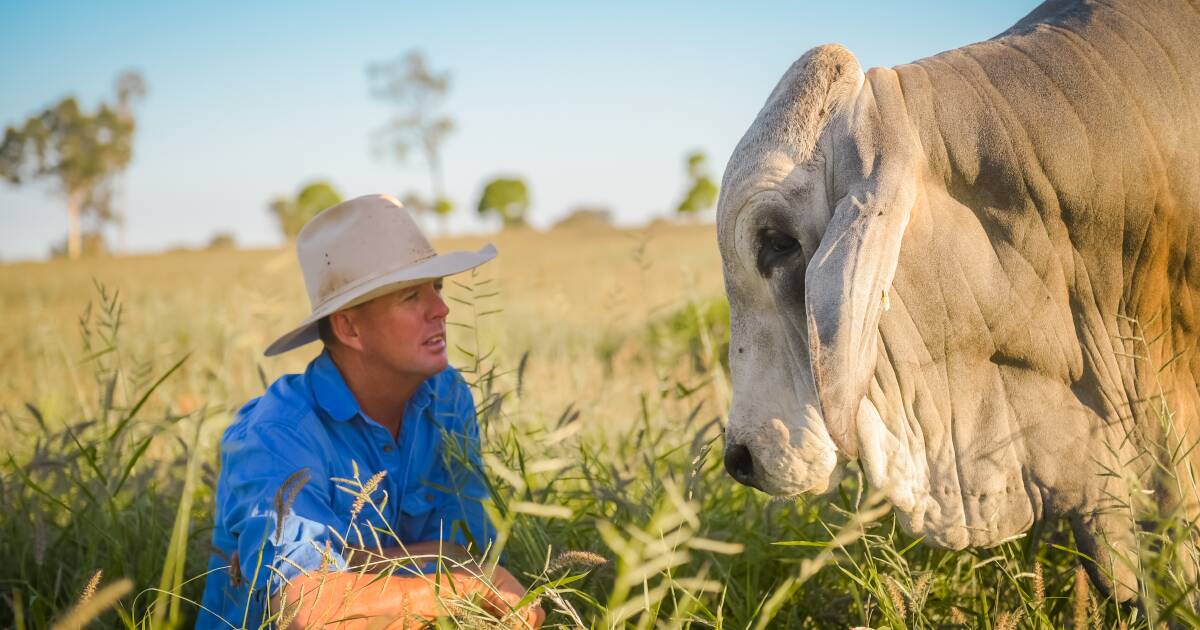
[(356, 241)]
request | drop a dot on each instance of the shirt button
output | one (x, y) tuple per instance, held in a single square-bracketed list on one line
[(429, 496), (387, 448)]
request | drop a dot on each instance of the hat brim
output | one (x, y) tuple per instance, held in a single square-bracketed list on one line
[(439, 266)]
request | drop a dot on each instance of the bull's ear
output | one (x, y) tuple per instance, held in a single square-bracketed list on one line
[(847, 280)]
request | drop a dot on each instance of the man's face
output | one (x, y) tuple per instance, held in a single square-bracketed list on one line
[(405, 331)]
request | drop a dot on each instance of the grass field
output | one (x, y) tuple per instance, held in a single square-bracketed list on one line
[(596, 359)]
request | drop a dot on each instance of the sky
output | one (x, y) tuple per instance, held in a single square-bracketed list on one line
[(592, 104)]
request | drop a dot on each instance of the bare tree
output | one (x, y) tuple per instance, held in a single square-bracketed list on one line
[(417, 93)]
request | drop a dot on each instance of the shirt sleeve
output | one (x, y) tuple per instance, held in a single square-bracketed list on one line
[(461, 517), (279, 505)]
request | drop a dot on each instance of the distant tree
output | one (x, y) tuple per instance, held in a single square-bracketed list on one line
[(585, 217), (702, 192), (83, 152), (222, 240), (417, 93), (415, 202), (419, 204), (506, 197), (293, 214), (92, 245)]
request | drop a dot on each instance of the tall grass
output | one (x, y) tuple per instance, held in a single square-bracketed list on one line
[(603, 451), (96, 494)]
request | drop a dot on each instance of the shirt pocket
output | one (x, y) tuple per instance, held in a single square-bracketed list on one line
[(416, 512)]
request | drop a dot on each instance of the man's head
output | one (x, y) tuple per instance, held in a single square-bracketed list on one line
[(374, 282), (402, 332)]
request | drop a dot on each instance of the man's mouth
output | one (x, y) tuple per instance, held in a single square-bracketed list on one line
[(436, 342)]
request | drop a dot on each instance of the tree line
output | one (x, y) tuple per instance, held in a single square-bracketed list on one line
[(84, 154)]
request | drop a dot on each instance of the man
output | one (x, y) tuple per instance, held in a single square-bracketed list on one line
[(368, 457)]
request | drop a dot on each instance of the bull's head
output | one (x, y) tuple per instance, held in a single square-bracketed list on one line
[(813, 206)]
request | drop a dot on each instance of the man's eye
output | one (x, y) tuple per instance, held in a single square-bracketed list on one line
[(773, 247)]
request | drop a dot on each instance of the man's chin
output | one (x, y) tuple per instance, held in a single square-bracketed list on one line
[(435, 364)]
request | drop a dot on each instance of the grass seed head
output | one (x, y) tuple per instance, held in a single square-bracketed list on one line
[(575, 558), (289, 610), (1079, 619), (285, 497), (1039, 586), (921, 589), (90, 588), (896, 596), (1009, 620), (365, 493), (39, 539), (326, 560)]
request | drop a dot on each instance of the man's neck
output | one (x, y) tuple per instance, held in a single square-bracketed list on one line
[(382, 394)]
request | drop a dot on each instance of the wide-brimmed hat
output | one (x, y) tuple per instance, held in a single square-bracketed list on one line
[(361, 249)]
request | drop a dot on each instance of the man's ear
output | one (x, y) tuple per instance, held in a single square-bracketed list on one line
[(344, 326)]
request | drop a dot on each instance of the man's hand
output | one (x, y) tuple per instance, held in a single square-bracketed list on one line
[(500, 598), (509, 590), (504, 599)]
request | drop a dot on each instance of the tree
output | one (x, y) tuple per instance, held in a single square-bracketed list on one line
[(417, 93), (82, 152), (702, 192), (293, 214), (508, 198), (586, 217), (415, 202), (222, 240)]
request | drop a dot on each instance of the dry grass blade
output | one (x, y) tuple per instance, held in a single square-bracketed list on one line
[(85, 611)]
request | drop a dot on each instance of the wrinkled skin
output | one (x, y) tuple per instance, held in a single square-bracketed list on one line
[(978, 275)]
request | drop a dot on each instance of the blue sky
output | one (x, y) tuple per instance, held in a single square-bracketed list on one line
[(591, 104)]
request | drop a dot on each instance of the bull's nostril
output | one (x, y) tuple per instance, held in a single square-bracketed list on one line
[(740, 464)]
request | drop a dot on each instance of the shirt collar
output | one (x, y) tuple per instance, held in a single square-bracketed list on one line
[(335, 397), (420, 398), (330, 389)]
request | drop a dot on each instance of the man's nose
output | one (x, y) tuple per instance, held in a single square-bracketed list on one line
[(739, 463), (438, 308)]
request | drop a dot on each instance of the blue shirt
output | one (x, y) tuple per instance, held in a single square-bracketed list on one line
[(308, 436)]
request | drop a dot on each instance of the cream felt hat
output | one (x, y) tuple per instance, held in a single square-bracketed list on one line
[(361, 249)]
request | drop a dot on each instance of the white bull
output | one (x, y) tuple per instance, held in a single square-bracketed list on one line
[(979, 275)]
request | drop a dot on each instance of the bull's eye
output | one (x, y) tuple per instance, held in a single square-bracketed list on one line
[(774, 246)]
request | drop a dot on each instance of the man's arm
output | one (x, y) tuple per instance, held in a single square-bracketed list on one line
[(348, 600)]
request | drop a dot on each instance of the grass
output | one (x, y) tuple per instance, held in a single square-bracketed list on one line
[(596, 365)]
